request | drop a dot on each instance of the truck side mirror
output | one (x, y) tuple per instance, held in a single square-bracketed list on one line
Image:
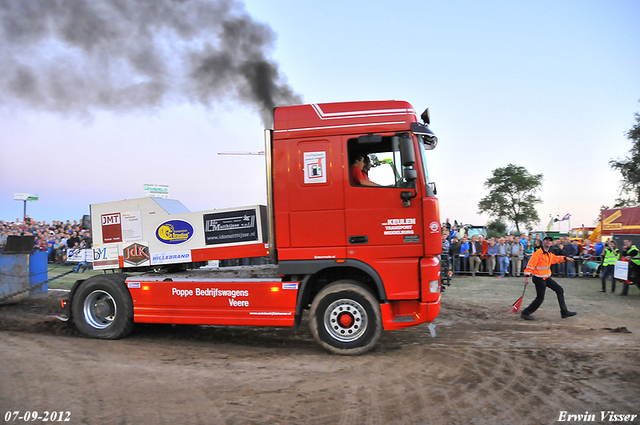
[(408, 158), (410, 174), (407, 153)]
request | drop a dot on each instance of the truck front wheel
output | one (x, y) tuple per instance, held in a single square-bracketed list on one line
[(345, 318), (102, 308)]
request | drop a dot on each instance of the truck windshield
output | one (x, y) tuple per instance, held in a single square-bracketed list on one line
[(423, 156), (476, 231)]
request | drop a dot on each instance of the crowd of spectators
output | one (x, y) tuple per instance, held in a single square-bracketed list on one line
[(496, 256), (508, 255), (56, 238)]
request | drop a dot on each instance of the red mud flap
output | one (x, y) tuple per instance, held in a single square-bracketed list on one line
[(404, 314)]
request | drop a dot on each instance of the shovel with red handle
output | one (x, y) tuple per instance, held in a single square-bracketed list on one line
[(518, 303)]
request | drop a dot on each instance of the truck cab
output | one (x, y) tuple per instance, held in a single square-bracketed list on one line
[(472, 230), (385, 237)]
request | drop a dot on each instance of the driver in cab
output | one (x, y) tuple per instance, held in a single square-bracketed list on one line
[(358, 171)]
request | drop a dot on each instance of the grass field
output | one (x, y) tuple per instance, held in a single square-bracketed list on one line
[(66, 282)]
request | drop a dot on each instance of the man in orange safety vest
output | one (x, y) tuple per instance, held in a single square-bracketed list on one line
[(539, 266)]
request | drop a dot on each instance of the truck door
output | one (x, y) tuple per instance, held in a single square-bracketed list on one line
[(382, 229), (309, 199)]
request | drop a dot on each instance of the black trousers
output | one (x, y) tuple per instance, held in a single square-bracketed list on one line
[(634, 271), (541, 287)]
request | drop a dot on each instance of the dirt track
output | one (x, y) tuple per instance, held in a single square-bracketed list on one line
[(484, 367)]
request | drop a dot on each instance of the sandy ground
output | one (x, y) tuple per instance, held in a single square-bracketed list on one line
[(486, 366)]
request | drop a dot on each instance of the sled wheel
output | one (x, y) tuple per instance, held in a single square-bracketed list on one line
[(345, 318), (102, 308)]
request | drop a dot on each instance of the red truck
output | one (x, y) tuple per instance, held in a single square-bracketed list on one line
[(360, 258)]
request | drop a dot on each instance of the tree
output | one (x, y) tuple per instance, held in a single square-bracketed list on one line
[(630, 170), (496, 229), (512, 195)]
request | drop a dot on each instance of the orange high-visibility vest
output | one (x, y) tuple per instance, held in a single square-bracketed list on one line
[(540, 263)]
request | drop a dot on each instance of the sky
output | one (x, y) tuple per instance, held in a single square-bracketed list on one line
[(552, 86)]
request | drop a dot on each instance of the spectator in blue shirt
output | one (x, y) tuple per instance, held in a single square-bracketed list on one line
[(453, 233), (503, 256), (464, 254), (599, 246), (523, 241)]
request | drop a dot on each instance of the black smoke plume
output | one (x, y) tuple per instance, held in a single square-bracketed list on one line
[(73, 56)]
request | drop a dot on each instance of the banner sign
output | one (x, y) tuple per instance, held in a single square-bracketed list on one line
[(117, 227), (25, 197), (105, 257), (155, 190), (231, 227), (621, 270), (79, 256), (621, 220), (314, 167)]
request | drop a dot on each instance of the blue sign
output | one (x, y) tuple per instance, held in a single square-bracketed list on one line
[(174, 232)]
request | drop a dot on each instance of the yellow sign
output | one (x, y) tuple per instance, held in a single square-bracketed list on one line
[(612, 217)]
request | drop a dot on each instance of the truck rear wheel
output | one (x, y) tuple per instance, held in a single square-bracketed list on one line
[(345, 318), (102, 308)]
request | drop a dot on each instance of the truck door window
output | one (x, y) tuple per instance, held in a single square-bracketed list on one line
[(384, 158)]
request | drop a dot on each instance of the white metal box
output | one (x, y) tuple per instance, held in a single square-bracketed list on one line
[(156, 231)]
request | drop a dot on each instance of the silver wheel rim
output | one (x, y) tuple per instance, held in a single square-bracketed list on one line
[(100, 309), (345, 320)]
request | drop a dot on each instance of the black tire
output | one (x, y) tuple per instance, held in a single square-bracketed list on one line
[(102, 308), (345, 318)]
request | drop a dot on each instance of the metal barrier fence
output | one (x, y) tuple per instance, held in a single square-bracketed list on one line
[(504, 265)]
